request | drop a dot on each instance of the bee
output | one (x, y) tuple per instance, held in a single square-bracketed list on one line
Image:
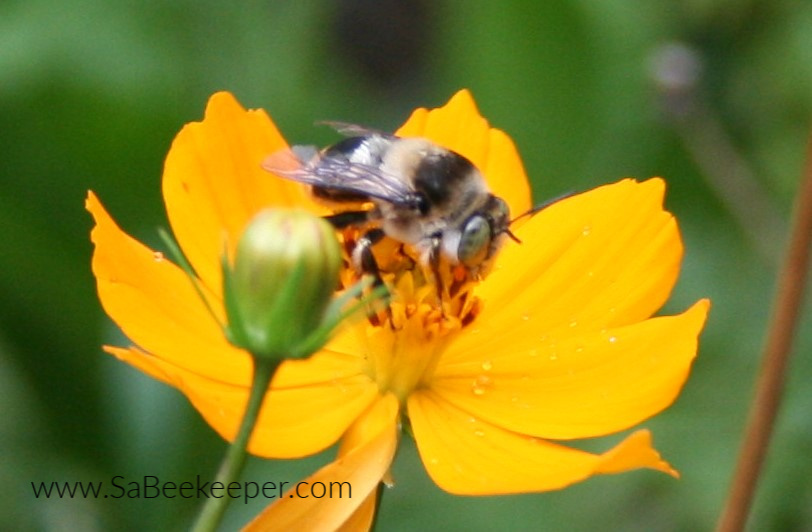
[(415, 192)]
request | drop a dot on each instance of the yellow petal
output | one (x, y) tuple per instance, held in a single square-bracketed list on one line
[(605, 258), (301, 415), (632, 453), (467, 456), (361, 468), (154, 303), (363, 517), (459, 127), (579, 387), (213, 183)]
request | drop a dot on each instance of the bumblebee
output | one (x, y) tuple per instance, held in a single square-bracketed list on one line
[(414, 191)]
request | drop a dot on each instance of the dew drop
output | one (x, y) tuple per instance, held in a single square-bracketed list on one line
[(434, 460), (157, 256), (479, 433), (487, 365), (553, 356), (579, 349), (525, 317), (612, 339), (586, 230), (481, 385), (574, 323)]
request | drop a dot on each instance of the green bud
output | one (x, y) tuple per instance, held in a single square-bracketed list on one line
[(284, 276)]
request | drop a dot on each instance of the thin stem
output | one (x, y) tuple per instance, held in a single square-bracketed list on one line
[(769, 388), (677, 71), (234, 460)]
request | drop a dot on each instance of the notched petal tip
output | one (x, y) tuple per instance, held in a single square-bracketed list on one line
[(464, 100), (634, 452), (90, 200), (221, 98)]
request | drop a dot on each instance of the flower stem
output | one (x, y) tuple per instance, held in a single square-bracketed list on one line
[(769, 388), (234, 460)]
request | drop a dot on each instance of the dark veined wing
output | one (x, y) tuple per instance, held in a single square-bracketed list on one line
[(305, 164)]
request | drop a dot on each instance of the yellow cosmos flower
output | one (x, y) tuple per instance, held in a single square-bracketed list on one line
[(557, 343)]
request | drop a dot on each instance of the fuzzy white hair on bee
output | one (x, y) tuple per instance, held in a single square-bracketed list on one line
[(422, 195)]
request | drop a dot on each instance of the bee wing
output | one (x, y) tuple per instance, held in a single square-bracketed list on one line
[(354, 130), (305, 165)]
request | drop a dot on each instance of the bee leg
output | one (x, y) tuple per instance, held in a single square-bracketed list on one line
[(434, 264), (365, 262), (362, 256)]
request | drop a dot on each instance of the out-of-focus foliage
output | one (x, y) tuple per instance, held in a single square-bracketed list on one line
[(92, 92)]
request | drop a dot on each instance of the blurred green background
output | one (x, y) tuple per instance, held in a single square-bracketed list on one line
[(714, 95)]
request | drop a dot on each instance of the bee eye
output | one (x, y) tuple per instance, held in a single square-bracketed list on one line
[(474, 241)]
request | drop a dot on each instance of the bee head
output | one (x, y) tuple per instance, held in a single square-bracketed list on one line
[(478, 238)]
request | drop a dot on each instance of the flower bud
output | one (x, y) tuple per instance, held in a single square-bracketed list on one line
[(285, 272)]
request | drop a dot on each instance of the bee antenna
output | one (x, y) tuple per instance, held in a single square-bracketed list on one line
[(529, 212), (513, 237), (533, 210)]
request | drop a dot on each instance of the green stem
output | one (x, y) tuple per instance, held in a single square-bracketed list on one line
[(232, 465)]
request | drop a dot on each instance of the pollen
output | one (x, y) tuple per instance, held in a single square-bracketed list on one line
[(406, 337)]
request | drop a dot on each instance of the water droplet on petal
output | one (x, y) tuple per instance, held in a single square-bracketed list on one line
[(481, 385), (579, 349), (487, 365), (479, 433), (434, 460), (574, 323), (553, 356), (158, 256), (525, 317), (612, 339), (586, 230)]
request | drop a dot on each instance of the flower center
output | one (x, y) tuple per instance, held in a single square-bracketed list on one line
[(406, 339)]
